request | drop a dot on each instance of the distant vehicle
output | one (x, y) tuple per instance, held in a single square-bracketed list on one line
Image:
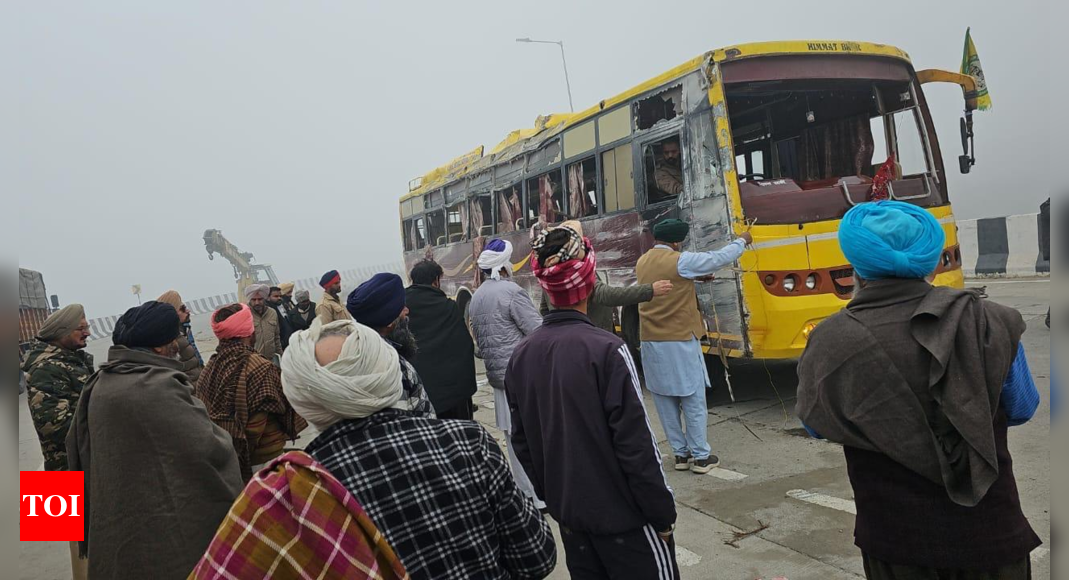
[(245, 272), (34, 306), (779, 138)]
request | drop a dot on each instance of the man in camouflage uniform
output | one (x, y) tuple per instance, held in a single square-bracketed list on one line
[(56, 369)]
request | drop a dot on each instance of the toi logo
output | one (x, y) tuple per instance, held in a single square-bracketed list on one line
[(52, 506)]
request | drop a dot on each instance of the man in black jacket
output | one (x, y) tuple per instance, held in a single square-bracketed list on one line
[(581, 432), (446, 359)]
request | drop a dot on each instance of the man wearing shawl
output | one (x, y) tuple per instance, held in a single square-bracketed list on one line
[(919, 385), (331, 307), (243, 392), (672, 328), (439, 491), (501, 315), (188, 353), (581, 431), (57, 368), (379, 304), (446, 359), (159, 476), (268, 337)]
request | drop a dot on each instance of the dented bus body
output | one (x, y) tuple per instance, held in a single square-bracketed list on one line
[(777, 138)]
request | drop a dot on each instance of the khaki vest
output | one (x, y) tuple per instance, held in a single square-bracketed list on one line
[(674, 317)]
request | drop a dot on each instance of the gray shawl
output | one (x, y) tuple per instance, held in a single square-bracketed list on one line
[(852, 392), (159, 475)]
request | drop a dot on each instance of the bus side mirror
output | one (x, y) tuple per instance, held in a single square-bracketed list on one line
[(965, 164)]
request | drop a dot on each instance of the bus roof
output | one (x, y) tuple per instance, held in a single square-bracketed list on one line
[(547, 126)]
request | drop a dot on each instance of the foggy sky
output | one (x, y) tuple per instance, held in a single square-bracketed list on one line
[(294, 127)]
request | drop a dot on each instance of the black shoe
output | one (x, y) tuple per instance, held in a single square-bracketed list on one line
[(703, 466), (683, 463)]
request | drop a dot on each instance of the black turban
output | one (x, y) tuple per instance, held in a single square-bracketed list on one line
[(151, 325), (671, 231)]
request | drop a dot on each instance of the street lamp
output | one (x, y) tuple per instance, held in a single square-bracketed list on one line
[(559, 43)]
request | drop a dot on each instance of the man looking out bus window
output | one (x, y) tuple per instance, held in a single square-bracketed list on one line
[(669, 173)]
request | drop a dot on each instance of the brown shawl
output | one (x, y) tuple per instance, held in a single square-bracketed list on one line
[(851, 391), (238, 383), (159, 476)]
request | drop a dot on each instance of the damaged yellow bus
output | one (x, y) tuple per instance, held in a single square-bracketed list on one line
[(780, 138)]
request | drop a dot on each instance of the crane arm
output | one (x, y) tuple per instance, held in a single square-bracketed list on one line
[(215, 243)]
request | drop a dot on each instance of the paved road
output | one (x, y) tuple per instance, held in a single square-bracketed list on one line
[(772, 475)]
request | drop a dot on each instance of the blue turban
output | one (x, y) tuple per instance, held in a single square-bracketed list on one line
[(377, 302), (891, 239), (150, 325)]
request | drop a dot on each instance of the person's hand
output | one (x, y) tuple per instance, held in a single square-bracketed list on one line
[(662, 288), (747, 237), (666, 536)]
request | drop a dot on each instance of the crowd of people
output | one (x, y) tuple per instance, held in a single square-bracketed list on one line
[(187, 470)]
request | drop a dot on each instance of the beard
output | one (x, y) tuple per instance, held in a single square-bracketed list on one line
[(403, 339), (673, 161)]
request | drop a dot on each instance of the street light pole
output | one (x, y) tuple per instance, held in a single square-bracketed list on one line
[(564, 61)]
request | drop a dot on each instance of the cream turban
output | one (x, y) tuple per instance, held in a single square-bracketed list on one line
[(171, 297), (365, 379), (286, 288), (254, 290), (62, 322)]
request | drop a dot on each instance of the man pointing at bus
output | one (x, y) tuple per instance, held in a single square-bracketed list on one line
[(671, 328)]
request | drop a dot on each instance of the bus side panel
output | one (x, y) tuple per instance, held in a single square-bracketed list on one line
[(705, 208)]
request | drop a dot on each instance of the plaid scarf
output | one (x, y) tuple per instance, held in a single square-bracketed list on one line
[(572, 249), (238, 383), (569, 275), (296, 520)]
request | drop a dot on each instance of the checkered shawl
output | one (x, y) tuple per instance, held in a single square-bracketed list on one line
[(237, 384), (295, 520), (442, 493), (569, 281)]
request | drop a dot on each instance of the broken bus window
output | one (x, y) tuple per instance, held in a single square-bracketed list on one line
[(663, 106)]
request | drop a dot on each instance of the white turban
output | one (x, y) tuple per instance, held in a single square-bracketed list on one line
[(497, 255), (365, 379)]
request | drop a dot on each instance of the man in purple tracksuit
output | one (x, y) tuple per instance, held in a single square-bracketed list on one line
[(581, 432)]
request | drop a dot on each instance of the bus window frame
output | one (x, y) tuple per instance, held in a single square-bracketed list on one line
[(473, 198), (461, 212), (676, 128), (432, 237), (406, 234), (416, 219), (603, 148)]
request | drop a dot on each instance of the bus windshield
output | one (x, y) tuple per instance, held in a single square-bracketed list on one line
[(808, 149)]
